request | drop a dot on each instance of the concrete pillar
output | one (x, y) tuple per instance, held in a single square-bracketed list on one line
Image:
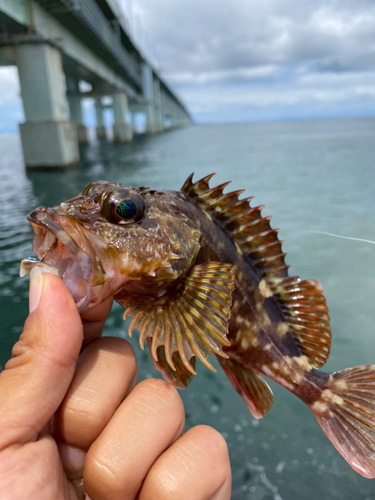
[(76, 118), (122, 131), (132, 116), (75, 109), (48, 138), (148, 96), (101, 132), (159, 122)]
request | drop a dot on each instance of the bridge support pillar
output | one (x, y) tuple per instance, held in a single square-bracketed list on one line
[(148, 95), (101, 132), (122, 131), (75, 108), (159, 122), (48, 137)]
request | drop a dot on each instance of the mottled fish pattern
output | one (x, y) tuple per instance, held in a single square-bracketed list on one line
[(201, 271)]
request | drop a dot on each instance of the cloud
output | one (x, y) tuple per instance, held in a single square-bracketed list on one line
[(303, 95), (257, 73), (251, 59), (246, 59), (9, 85), (11, 112), (201, 37)]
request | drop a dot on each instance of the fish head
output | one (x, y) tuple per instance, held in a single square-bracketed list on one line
[(115, 241)]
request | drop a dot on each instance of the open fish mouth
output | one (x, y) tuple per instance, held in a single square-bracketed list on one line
[(60, 254)]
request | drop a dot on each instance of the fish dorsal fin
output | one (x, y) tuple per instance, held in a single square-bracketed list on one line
[(191, 318), (302, 302), (252, 232), (305, 310), (250, 386)]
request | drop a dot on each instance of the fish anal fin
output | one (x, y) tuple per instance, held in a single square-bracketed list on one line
[(306, 314), (346, 413), (180, 377), (191, 318), (250, 386)]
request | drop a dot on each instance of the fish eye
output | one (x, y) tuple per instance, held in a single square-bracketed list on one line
[(127, 209), (122, 206)]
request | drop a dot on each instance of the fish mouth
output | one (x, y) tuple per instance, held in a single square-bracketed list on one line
[(56, 249)]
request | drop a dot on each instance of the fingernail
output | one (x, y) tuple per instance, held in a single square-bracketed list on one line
[(36, 285)]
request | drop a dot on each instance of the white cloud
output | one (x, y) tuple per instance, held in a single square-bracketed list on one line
[(312, 94), (232, 56), (257, 73), (336, 79), (218, 36), (11, 112), (9, 85)]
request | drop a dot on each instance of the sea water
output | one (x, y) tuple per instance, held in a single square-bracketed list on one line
[(313, 176)]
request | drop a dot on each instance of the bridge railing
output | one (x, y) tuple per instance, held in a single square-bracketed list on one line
[(88, 14)]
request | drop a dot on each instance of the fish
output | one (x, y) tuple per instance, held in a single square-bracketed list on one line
[(202, 272)]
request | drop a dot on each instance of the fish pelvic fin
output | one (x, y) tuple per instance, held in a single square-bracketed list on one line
[(250, 386), (346, 413)]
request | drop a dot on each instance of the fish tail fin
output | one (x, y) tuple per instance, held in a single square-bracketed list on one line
[(346, 413)]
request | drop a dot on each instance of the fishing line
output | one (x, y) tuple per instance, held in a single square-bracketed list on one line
[(344, 237)]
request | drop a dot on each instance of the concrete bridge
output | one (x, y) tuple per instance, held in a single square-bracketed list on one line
[(55, 45)]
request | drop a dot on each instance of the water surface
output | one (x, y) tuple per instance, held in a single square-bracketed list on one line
[(312, 176)]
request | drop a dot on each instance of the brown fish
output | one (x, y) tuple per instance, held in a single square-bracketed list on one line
[(203, 272)]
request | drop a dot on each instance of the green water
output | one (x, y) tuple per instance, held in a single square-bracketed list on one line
[(312, 176)]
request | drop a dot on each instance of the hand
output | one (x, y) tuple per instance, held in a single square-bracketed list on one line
[(72, 424)]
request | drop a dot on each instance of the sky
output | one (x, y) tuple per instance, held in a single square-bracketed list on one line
[(247, 60)]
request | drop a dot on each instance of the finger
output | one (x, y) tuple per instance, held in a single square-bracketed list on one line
[(149, 420), (106, 372), (93, 320), (36, 379), (195, 466)]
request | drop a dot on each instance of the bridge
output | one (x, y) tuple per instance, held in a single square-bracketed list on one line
[(58, 44)]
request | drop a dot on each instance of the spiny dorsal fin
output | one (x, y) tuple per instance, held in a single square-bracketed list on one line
[(306, 313), (251, 231), (250, 386), (191, 319), (302, 302)]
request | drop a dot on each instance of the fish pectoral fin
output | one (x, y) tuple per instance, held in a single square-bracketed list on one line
[(250, 386), (191, 319), (306, 312), (181, 376)]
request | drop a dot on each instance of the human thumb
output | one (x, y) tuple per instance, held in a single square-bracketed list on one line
[(36, 378)]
